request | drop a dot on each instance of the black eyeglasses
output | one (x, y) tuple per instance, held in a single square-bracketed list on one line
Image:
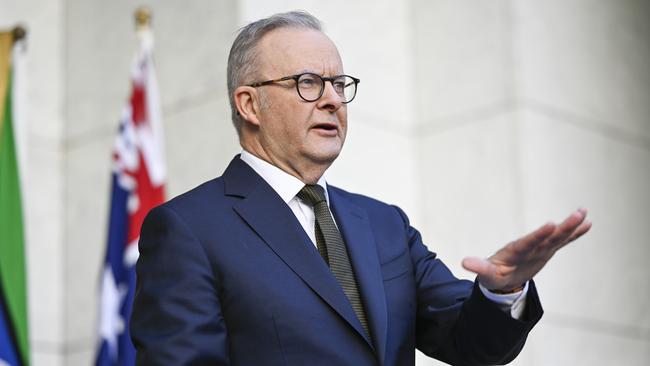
[(310, 86)]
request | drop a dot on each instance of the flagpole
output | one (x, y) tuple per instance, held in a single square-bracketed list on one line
[(19, 48)]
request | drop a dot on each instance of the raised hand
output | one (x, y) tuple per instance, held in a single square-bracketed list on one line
[(520, 260)]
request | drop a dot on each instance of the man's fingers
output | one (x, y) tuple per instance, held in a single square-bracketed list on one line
[(480, 266), (566, 229), (526, 256), (486, 271), (578, 232), (533, 239), (572, 222)]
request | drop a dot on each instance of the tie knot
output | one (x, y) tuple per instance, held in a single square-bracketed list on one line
[(312, 193)]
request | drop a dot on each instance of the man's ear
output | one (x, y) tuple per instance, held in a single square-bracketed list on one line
[(248, 104)]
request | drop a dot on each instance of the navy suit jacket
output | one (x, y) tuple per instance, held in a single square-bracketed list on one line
[(227, 276)]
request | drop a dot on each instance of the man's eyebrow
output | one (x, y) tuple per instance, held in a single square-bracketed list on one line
[(312, 71)]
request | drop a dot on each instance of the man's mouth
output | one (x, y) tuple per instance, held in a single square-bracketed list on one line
[(325, 126)]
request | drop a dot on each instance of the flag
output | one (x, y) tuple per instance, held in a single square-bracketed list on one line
[(138, 179), (14, 344)]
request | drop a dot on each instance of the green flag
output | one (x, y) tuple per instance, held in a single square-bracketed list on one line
[(13, 285)]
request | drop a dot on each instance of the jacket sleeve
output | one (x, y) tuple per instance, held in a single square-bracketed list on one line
[(176, 317), (455, 322)]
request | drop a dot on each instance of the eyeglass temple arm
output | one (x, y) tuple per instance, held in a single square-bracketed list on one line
[(267, 82)]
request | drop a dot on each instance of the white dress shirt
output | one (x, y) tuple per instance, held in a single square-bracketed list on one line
[(287, 187)]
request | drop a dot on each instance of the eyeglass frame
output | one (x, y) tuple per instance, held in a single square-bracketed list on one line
[(296, 77)]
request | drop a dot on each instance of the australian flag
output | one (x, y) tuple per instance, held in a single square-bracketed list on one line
[(138, 177)]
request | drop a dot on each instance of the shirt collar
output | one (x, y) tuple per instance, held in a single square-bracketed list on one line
[(285, 184)]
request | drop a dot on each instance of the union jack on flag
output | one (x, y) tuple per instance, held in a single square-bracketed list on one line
[(138, 185)]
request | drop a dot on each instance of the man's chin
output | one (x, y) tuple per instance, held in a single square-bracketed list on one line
[(325, 155)]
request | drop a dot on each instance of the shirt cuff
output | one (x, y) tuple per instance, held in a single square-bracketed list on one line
[(514, 303)]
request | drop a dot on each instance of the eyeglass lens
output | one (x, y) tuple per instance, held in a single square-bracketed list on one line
[(310, 87)]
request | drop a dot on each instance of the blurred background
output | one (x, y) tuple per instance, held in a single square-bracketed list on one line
[(481, 119)]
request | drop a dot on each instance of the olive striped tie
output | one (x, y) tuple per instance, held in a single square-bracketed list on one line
[(332, 249)]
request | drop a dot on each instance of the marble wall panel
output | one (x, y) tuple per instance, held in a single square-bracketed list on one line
[(81, 356), (88, 189), (462, 56), (193, 39), (100, 44), (47, 359), (604, 275), (470, 189), (556, 344), (200, 142), (44, 232), (588, 57)]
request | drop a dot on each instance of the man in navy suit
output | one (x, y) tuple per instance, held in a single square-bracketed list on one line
[(251, 269)]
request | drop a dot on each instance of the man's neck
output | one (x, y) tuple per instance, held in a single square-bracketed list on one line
[(286, 185), (308, 173)]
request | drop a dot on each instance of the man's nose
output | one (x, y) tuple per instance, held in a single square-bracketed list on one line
[(330, 100)]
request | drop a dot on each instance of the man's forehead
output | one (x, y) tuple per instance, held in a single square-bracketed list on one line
[(299, 50)]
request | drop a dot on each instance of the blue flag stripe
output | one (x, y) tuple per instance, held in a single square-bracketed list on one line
[(8, 349)]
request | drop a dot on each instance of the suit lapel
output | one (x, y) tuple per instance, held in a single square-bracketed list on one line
[(355, 227), (270, 217)]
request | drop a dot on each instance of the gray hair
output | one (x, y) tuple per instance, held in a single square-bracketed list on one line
[(243, 58)]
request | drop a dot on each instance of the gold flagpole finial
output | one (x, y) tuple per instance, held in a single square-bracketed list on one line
[(19, 32), (143, 18)]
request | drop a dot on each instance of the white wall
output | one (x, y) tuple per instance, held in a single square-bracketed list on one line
[(584, 104), (530, 110), (481, 119)]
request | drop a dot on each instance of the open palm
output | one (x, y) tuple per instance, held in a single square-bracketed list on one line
[(520, 260)]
